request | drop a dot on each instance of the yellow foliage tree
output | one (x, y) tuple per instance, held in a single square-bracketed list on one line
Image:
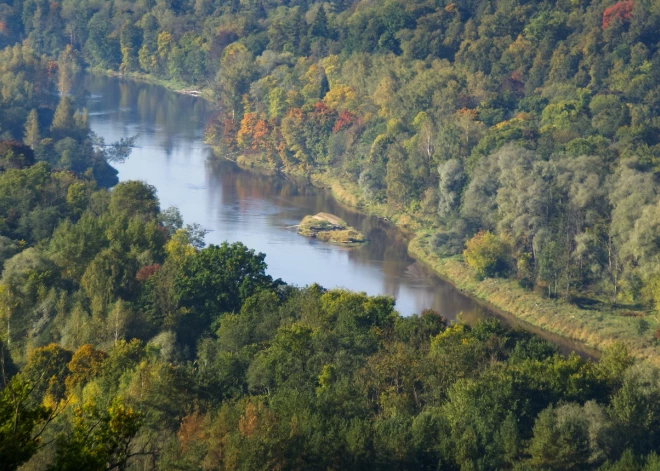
[(341, 97), (488, 255)]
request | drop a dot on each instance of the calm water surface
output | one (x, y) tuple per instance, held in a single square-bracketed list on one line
[(235, 205), (259, 211)]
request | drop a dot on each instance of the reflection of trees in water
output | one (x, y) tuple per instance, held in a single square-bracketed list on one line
[(125, 98), (387, 245), (174, 124), (144, 105), (169, 111), (167, 116), (236, 183)]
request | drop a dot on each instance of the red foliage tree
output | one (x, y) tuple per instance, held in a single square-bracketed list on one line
[(321, 108), (230, 128), (622, 10), (147, 272), (344, 120)]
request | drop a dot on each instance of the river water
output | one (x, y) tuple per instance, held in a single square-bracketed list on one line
[(236, 205)]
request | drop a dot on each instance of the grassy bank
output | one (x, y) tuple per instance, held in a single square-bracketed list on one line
[(595, 328), (173, 85)]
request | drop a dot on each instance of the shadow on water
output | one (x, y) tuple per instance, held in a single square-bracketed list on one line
[(237, 205)]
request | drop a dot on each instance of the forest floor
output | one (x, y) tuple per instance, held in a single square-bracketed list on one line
[(595, 325)]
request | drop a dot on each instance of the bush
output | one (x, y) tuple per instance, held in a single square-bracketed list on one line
[(447, 243), (488, 255), (526, 283), (656, 335)]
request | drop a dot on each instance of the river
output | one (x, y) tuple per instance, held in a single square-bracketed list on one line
[(237, 205)]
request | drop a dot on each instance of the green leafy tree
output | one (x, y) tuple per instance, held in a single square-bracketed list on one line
[(235, 74), (488, 255), (101, 439), (216, 280), (559, 441), (129, 42), (102, 46), (21, 423), (134, 198)]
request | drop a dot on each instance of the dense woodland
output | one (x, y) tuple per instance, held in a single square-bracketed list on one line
[(127, 344), (528, 129), (534, 121)]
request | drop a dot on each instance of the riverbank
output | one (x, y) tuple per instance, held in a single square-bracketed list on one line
[(594, 328), (175, 86)]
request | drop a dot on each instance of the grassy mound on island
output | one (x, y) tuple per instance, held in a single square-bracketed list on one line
[(329, 228)]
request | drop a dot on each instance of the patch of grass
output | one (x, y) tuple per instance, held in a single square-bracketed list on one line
[(595, 328), (174, 85), (258, 163)]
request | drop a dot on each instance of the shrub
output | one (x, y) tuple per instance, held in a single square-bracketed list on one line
[(447, 243), (488, 255), (526, 283), (642, 326)]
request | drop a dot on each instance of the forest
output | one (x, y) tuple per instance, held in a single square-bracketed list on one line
[(533, 121), (523, 134), (127, 343)]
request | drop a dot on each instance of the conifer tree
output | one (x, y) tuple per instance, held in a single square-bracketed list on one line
[(63, 120), (320, 27), (67, 67), (32, 135)]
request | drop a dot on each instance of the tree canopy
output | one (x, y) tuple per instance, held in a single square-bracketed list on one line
[(524, 135)]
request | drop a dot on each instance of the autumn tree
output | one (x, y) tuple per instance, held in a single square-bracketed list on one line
[(487, 254)]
